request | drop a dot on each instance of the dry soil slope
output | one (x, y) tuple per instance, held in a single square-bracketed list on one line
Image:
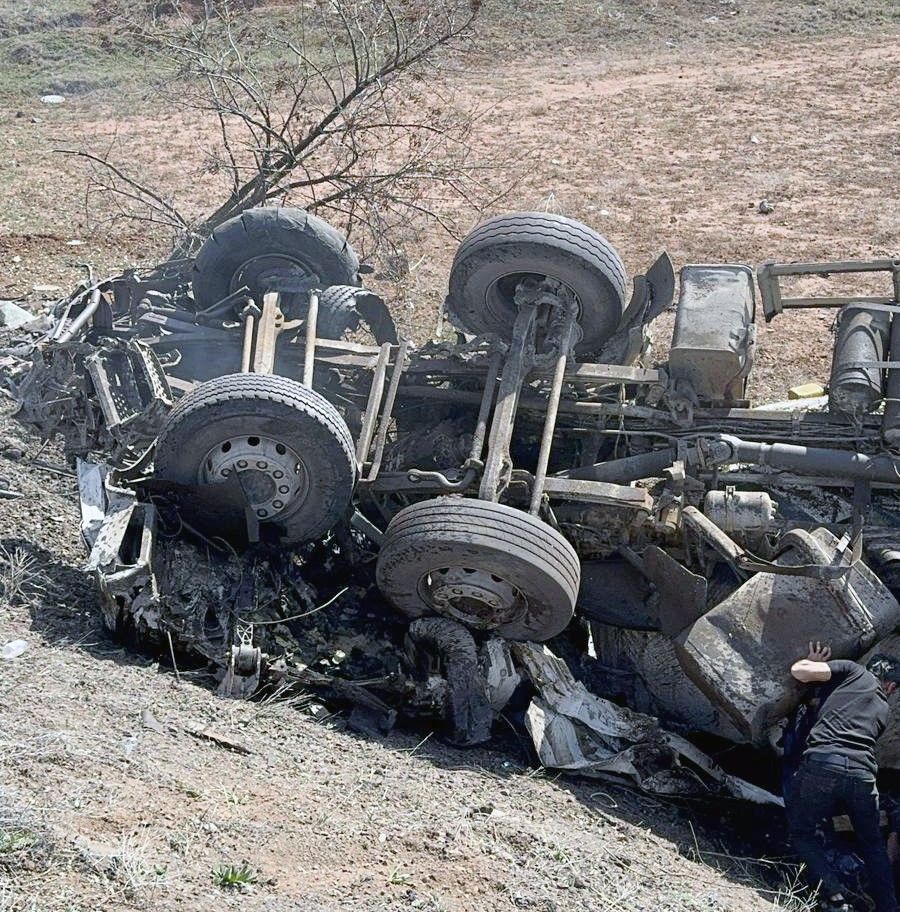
[(100, 811)]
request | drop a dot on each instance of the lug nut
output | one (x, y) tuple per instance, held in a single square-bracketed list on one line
[(242, 463)]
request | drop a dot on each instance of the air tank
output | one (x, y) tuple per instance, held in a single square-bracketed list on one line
[(890, 425), (862, 339)]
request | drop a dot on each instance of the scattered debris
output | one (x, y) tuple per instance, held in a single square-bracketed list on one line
[(12, 316), (765, 207), (206, 733), (149, 721), (806, 391), (13, 649), (52, 99), (575, 730)]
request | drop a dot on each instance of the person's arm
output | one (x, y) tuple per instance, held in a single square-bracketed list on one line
[(814, 668)]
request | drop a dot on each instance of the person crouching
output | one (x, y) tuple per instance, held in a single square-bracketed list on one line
[(838, 769)]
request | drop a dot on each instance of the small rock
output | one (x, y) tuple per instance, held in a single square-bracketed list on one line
[(129, 744), (711, 19), (52, 99), (12, 316), (148, 720), (604, 212), (36, 120), (45, 289), (754, 139), (765, 207), (13, 649), (74, 243)]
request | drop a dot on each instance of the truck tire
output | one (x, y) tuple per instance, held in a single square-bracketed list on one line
[(486, 565), (494, 257), (261, 242), (290, 448), (341, 307)]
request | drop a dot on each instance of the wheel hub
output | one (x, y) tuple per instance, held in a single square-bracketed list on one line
[(271, 474), (258, 272), (475, 597)]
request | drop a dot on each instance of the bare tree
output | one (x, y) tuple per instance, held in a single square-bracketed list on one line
[(341, 110)]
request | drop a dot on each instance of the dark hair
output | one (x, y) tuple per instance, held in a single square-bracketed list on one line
[(884, 667)]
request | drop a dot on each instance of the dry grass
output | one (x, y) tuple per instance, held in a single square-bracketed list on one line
[(18, 571)]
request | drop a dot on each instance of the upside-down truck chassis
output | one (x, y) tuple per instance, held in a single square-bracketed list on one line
[(530, 477)]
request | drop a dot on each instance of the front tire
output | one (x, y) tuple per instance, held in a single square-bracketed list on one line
[(291, 450), (486, 565)]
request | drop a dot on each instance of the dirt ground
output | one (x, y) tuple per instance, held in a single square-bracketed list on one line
[(109, 800), (670, 146)]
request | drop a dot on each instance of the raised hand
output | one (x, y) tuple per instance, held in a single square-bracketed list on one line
[(818, 652)]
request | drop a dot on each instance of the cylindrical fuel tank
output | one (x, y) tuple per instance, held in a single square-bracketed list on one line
[(741, 651), (890, 425), (862, 338)]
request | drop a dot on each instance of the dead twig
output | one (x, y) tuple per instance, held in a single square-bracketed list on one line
[(345, 115)]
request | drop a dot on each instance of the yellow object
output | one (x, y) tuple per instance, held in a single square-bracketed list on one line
[(806, 391)]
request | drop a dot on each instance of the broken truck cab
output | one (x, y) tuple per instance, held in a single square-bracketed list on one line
[(537, 468)]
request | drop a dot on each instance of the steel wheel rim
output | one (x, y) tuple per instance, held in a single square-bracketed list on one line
[(272, 474), (499, 296), (255, 271), (476, 598)]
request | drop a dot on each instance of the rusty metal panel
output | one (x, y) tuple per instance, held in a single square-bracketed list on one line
[(712, 344), (740, 652)]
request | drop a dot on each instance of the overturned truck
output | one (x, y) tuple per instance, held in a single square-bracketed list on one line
[(257, 449)]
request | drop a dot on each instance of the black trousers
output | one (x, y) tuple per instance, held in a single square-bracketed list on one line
[(821, 788)]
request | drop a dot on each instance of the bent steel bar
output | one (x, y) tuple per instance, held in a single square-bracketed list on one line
[(373, 405), (519, 360), (540, 473), (388, 411), (309, 355), (769, 273)]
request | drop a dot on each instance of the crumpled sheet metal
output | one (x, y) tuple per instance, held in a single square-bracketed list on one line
[(108, 516), (740, 652), (92, 496), (499, 672), (576, 731)]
